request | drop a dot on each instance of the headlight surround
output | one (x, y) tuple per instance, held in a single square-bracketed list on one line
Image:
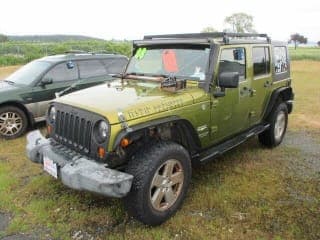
[(52, 114), (101, 131)]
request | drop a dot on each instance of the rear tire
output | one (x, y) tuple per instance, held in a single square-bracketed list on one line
[(13, 122), (162, 174), (278, 120)]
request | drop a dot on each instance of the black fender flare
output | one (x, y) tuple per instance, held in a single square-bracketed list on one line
[(189, 131), (286, 94)]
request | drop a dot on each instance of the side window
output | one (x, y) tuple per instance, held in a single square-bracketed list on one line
[(91, 68), (261, 61), (66, 71), (233, 60), (115, 65), (280, 60)]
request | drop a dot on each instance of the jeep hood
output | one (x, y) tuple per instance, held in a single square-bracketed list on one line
[(133, 99)]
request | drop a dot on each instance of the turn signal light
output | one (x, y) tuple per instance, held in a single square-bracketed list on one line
[(101, 152), (125, 142), (49, 129)]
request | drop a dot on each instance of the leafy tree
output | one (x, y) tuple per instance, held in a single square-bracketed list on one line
[(297, 39), (318, 43), (3, 38), (208, 29), (240, 23)]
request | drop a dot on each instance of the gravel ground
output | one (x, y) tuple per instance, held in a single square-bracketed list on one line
[(304, 144), (309, 150)]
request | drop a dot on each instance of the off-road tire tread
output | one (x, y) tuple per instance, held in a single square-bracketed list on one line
[(141, 166), (267, 137)]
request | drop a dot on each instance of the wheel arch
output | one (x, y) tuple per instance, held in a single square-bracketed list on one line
[(285, 94), (22, 107), (184, 128)]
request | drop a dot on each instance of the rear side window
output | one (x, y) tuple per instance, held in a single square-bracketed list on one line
[(66, 71), (115, 65), (280, 60), (261, 61), (91, 68), (233, 60)]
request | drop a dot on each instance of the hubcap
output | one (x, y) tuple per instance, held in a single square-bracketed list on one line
[(280, 125), (10, 123), (166, 185)]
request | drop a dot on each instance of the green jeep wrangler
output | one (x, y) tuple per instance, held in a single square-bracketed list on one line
[(184, 99)]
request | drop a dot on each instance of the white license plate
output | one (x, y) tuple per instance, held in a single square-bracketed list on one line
[(50, 167)]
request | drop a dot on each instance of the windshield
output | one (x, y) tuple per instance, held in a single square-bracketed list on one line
[(186, 63), (28, 73)]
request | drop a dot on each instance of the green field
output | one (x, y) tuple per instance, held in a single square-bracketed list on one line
[(249, 193), (305, 53), (14, 52)]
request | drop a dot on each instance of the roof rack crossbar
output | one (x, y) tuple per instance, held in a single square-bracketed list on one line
[(88, 52), (226, 36)]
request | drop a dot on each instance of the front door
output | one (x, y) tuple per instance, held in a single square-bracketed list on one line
[(230, 113), (261, 82)]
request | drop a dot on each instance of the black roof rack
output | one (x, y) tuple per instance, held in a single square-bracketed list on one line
[(75, 52), (224, 35), (87, 52)]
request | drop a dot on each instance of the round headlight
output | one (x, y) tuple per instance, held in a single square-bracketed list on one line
[(52, 114), (102, 131)]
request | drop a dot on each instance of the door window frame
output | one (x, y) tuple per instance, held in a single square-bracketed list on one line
[(265, 74)]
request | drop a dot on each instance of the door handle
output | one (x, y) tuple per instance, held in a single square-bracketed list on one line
[(267, 84), (244, 90), (253, 92)]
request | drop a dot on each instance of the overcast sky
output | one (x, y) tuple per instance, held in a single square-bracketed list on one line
[(132, 19)]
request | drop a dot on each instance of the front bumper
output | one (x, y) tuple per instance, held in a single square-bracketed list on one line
[(76, 171)]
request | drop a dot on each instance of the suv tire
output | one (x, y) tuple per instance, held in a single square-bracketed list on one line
[(278, 120), (162, 174), (13, 122)]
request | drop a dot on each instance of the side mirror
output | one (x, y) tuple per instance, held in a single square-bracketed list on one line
[(46, 81), (228, 80)]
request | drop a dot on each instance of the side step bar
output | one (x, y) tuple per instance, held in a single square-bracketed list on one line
[(223, 147)]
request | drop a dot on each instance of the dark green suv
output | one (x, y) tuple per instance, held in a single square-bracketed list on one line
[(184, 99), (24, 95)]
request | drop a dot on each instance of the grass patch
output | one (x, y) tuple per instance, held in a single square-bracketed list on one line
[(249, 193), (305, 53)]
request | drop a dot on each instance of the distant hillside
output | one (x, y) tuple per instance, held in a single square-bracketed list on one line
[(50, 38)]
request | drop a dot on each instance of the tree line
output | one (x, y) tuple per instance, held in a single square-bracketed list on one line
[(243, 23)]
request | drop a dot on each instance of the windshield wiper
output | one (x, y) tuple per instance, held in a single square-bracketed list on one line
[(134, 73), (10, 82), (64, 91)]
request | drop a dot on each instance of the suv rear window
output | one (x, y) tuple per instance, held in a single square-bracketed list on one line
[(91, 68), (280, 59), (115, 65)]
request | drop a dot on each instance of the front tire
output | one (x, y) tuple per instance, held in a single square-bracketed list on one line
[(13, 122), (278, 120), (162, 174)]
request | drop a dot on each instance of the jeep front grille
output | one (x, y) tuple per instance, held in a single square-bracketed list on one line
[(73, 131)]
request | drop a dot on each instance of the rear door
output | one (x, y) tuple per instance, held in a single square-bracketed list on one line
[(261, 81)]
